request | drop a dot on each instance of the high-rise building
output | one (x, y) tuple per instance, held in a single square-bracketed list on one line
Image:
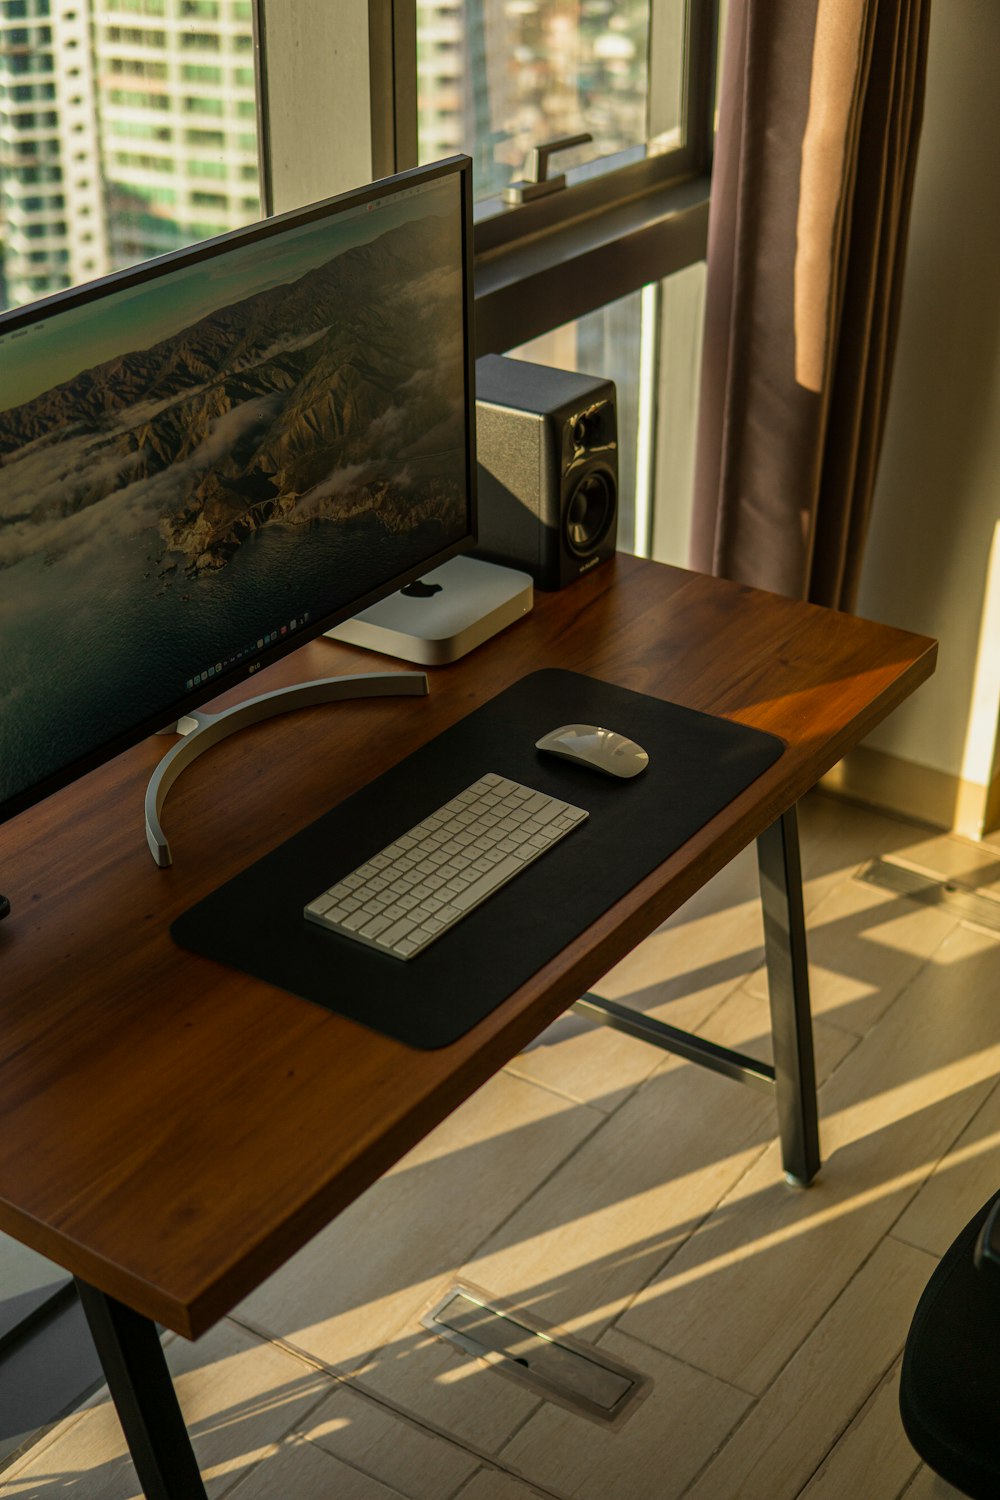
[(127, 128), (176, 99), (51, 194)]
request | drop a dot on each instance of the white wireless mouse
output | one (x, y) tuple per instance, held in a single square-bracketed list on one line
[(600, 749)]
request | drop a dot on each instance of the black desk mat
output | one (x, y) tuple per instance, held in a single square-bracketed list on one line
[(697, 765)]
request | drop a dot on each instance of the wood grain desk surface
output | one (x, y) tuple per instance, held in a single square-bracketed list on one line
[(170, 1130)]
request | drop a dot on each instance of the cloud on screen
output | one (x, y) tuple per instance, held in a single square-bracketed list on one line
[(43, 477)]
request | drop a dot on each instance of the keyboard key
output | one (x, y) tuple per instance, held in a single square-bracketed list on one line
[(375, 926)]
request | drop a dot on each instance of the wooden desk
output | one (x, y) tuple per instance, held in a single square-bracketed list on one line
[(172, 1130)]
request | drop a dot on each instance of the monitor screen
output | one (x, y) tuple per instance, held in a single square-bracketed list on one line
[(214, 456)]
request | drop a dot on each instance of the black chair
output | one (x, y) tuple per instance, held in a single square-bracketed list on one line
[(949, 1394)]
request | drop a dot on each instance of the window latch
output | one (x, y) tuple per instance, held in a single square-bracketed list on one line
[(536, 181)]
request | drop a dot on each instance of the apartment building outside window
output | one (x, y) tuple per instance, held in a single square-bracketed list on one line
[(45, 56), (114, 80)]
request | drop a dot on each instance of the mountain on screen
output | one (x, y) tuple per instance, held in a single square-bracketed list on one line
[(318, 399)]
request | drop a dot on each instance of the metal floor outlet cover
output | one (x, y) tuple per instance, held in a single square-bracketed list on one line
[(961, 900), (555, 1365)]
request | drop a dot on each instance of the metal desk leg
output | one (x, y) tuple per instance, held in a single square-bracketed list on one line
[(788, 982), (143, 1392)]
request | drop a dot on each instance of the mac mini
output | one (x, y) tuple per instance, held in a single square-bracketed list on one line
[(442, 616)]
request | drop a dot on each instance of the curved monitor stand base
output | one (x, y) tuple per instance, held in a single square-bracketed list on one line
[(203, 730)]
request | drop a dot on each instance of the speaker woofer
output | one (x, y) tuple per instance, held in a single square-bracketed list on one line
[(589, 512)]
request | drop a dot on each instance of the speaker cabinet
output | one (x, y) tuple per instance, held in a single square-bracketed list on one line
[(547, 445)]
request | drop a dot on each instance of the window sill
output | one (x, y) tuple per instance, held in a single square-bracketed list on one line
[(576, 266)]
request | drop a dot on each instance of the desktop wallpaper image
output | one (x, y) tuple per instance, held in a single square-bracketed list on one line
[(214, 481)]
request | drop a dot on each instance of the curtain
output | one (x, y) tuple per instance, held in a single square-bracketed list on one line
[(820, 110)]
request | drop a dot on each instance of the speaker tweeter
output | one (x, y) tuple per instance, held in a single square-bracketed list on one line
[(547, 446)]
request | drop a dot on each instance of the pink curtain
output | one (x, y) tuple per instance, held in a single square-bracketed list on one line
[(820, 112)]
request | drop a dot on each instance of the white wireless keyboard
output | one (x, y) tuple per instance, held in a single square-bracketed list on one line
[(424, 882)]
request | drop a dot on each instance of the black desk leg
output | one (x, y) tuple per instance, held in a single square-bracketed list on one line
[(788, 983), (143, 1392)]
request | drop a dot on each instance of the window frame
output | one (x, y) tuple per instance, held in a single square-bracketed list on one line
[(610, 231)]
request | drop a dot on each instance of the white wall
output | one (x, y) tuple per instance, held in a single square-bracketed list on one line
[(937, 500)]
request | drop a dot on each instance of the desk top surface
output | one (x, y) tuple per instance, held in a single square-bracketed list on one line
[(171, 1129)]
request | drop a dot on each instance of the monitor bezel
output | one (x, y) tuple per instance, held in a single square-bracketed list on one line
[(33, 312)]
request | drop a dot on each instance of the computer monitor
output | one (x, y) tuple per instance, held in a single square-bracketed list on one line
[(210, 458)]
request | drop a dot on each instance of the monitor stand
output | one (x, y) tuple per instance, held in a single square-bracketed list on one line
[(202, 730), (446, 613)]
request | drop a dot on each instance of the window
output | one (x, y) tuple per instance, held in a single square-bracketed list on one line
[(22, 93), (135, 36), (204, 73), (200, 167), (140, 162), (203, 105), (139, 67), (138, 130), (137, 99)]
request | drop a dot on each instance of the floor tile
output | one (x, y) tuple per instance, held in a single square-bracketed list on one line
[(436, 1383), (953, 858), (927, 1485), (690, 964), (363, 1278), (865, 945), (490, 1484), (791, 1429), (837, 837), (239, 1397), (301, 1471), (653, 1456), (577, 1251), (743, 1022), (910, 1087), (959, 1185), (376, 1440), (873, 1458), (584, 1062)]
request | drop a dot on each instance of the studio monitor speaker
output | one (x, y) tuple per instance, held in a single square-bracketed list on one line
[(547, 445)]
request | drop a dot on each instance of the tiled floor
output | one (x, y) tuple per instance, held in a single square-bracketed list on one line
[(637, 1202)]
